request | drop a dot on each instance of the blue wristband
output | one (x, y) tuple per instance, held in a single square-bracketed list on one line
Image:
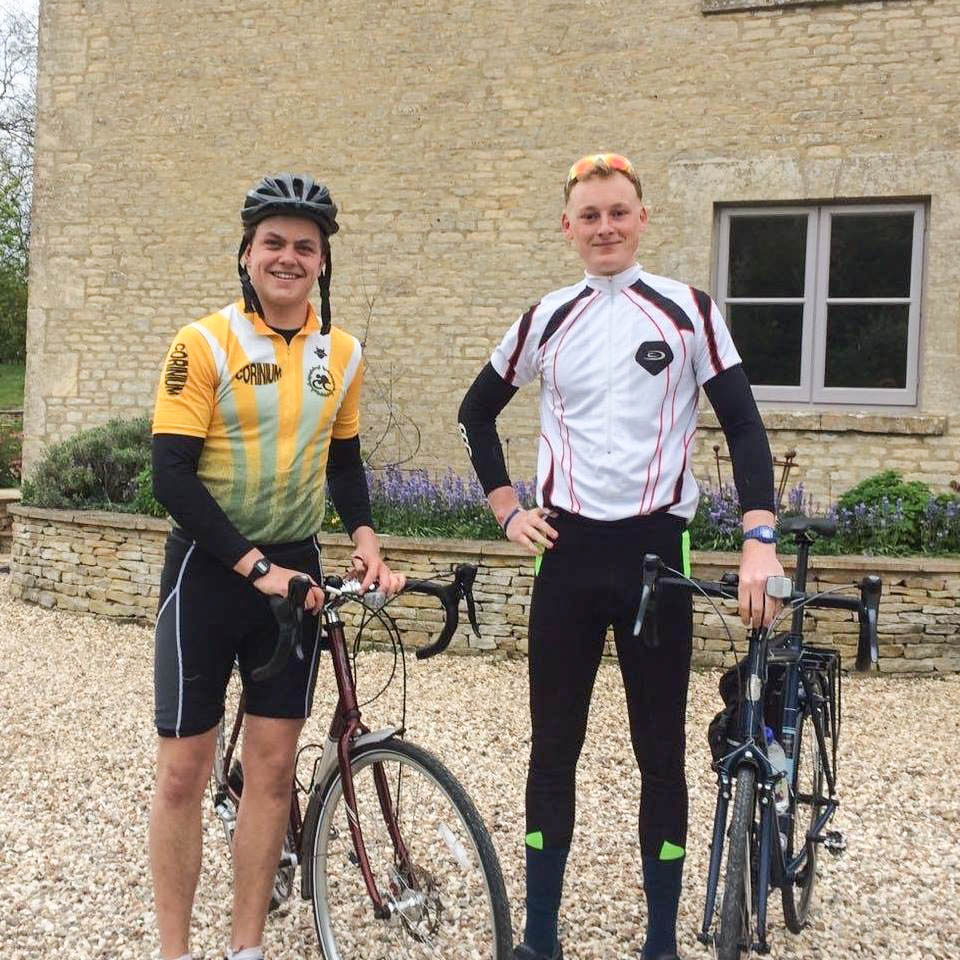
[(510, 516)]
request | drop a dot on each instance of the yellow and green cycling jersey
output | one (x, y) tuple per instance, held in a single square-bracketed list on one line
[(266, 411)]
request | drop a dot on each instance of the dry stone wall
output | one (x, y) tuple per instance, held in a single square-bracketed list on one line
[(8, 498), (444, 129), (109, 564)]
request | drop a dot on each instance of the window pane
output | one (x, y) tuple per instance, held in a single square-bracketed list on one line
[(867, 346), (769, 339), (870, 254), (767, 256)]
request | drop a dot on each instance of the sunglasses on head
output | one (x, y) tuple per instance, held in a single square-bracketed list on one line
[(589, 163)]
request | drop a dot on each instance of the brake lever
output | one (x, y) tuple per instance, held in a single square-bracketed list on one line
[(288, 611), (466, 575), (868, 652), (652, 565)]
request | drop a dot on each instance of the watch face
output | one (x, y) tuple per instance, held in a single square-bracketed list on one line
[(763, 534)]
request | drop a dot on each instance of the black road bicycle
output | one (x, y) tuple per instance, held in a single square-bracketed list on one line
[(786, 691), (393, 855)]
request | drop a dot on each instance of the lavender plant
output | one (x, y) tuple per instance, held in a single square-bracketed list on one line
[(417, 504), (940, 525), (716, 525), (420, 504)]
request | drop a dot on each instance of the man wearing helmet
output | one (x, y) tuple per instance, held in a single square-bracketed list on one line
[(257, 407)]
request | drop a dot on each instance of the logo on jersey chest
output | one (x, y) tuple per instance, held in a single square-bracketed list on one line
[(654, 356), (319, 379)]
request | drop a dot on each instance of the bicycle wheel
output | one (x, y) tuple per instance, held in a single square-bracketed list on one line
[(807, 802), (736, 913), (448, 901), (223, 802)]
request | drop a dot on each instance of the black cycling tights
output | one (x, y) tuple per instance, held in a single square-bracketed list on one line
[(589, 580)]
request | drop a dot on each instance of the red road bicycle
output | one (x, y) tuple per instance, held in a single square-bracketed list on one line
[(393, 855)]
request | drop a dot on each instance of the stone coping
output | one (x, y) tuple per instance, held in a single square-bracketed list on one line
[(96, 518), (913, 425), (729, 6), (503, 548)]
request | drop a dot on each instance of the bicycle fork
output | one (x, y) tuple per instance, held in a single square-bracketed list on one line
[(716, 855), (761, 859)]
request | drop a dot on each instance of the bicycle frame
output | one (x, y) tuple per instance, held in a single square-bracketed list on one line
[(347, 732)]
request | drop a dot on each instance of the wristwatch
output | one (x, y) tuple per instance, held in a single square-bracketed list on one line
[(259, 569), (762, 533)]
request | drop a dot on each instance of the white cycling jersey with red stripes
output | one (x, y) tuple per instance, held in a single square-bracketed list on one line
[(621, 361)]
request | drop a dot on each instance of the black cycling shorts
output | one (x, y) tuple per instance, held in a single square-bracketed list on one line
[(209, 616)]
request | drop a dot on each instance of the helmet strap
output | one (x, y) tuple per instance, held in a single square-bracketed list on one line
[(323, 282), (251, 302)]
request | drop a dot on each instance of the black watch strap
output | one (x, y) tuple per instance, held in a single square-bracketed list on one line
[(259, 569)]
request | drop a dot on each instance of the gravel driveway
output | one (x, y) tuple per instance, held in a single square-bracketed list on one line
[(76, 753)]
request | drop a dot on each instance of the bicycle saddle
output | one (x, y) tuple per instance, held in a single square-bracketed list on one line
[(824, 526)]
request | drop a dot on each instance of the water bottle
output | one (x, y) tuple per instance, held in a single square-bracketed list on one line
[(778, 760)]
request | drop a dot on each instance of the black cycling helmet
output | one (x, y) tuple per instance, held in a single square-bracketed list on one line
[(293, 195)]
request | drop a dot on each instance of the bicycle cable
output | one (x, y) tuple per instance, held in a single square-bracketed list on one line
[(396, 643), (719, 612)]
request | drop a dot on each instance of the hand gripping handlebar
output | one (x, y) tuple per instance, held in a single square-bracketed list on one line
[(289, 613), (866, 606)]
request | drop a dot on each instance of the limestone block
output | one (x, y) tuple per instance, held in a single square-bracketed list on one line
[(905, 666)]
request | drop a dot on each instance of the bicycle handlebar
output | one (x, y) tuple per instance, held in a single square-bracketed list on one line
[(866, 606), (288, 611), (449, 595)]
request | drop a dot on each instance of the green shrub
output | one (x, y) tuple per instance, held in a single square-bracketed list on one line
[(145, 501), (11, 439), (885, 513), (96, 469), (13, 314)]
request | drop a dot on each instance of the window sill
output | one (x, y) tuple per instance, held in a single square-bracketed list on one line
[(918, 425), (729, 6)]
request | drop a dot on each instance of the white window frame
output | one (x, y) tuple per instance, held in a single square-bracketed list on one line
[(815, 302)]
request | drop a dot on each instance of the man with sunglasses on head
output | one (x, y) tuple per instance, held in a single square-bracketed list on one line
[(257, 412), (621, 356)]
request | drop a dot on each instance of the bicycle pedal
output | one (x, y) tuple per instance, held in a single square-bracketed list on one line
[(835, 843)]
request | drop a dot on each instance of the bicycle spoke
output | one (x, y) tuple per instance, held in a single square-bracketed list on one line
[(436, 884)]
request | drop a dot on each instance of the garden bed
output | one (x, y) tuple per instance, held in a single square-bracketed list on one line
[(109, 564)]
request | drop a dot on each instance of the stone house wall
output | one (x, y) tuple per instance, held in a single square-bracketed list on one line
[(447, 161), (109, 564)]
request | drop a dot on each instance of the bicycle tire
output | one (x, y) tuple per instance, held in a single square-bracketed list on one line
[(807, 801), (451, 903), (736, 913), (219, 777)]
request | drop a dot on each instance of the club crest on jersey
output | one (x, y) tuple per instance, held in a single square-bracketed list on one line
[(654, 356), (320, 381)]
